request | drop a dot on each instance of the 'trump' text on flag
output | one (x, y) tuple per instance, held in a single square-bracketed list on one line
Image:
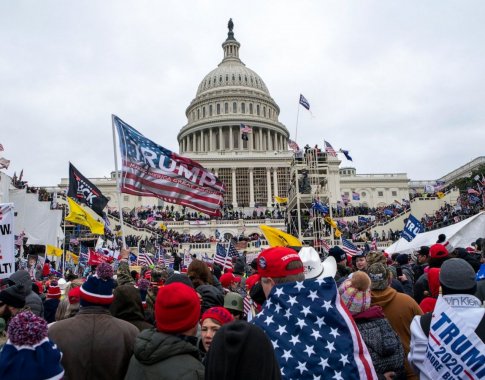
[(151, 170)]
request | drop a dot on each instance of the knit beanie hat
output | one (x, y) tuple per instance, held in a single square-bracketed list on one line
[(54, 291), (337, 253), (13, 296), (179, 277), (402, 259), (74, 295), (218, 314), (29, 354), (379, 276), (98, 288), (355, 292), (457, 274), (376, 257), (177, 308)]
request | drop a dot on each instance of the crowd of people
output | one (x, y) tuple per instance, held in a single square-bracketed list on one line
[(287, 314)]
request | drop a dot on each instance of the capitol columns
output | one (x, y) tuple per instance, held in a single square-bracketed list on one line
[(275, 181), (211, 147), (251, 188), (231, 139), (234, 190), (261, 139), (268, 187), (221, 140)]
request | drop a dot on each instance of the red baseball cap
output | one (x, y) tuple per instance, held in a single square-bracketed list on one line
[(227, 278), (272, 262), (437, 251)]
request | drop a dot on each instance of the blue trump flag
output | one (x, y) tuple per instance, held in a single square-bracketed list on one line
[(412, 228), (313, 334), (318, 206), (305, 103)]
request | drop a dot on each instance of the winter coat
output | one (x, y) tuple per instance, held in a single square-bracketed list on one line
[(32, 300), (382, 341), (400, 310), (95, 345), (127, 306), (211, 296), (164, 357)]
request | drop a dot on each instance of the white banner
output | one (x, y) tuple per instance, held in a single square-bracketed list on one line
[(7, 250), (454, 350)]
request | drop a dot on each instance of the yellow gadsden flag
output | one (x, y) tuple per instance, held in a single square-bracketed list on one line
[(440, 194), (331, 222), (71, 256), (78, 215), (280, 200), (53, 251), (278, 238)]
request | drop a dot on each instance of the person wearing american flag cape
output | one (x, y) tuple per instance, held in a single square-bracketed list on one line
[(312, 332)]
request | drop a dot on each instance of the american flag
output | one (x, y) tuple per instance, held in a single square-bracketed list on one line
[(305, 103), (329, 149), (293, 145), (232, 252), (221, 256), (313, 334), (247, 302), (144, 259), (151, 170), (323, 243), (349, 248), (246, 128)]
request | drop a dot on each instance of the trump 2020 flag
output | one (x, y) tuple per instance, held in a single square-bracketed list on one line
[(84, 191), (313, 333), (153, 171), (412, 228)]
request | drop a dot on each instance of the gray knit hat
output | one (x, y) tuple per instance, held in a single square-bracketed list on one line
[(13, 296), (457, 274), (379, 276)]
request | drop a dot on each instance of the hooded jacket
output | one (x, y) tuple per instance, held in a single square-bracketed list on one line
[(128, 307), (32, 300), (164, 357), (382, 341), (399, 309)]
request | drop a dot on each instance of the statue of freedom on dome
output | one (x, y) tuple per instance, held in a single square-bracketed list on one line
[(230, 25)]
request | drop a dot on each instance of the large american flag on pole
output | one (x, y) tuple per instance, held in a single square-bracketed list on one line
[(150, 170), (144, 259), (313, 333)]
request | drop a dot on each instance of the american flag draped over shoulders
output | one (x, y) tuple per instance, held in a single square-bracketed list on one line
[(313, 334)]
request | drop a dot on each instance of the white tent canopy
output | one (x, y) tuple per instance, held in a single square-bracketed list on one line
[(461, 234)]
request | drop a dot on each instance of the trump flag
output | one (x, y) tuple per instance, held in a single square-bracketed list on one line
[(151, 170)]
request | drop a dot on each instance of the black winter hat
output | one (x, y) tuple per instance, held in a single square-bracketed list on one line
[(13, 296), (337, 253)]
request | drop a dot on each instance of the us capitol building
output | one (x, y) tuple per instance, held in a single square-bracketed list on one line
[(255, 166)]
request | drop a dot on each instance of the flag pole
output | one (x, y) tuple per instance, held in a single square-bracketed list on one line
[(118, 193), (296, 128), (64, 242)]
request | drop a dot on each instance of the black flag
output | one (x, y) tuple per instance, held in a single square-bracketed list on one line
[(84, 191)]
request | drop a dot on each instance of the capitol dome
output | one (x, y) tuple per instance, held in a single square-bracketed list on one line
[(229, 96)]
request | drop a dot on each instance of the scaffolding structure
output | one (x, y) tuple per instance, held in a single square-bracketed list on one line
[(308, 184)]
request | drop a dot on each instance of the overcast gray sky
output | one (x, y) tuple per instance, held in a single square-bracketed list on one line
[(398, 83)]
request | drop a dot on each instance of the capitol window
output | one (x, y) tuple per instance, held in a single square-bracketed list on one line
[(234, 107), (218, 108), (251, 108), (264, 111), (243, 107), (380, 193), (198, 113), (394, 193), (210, 110), (203, 111), (257, 110), (364, 193), (226, 107)]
